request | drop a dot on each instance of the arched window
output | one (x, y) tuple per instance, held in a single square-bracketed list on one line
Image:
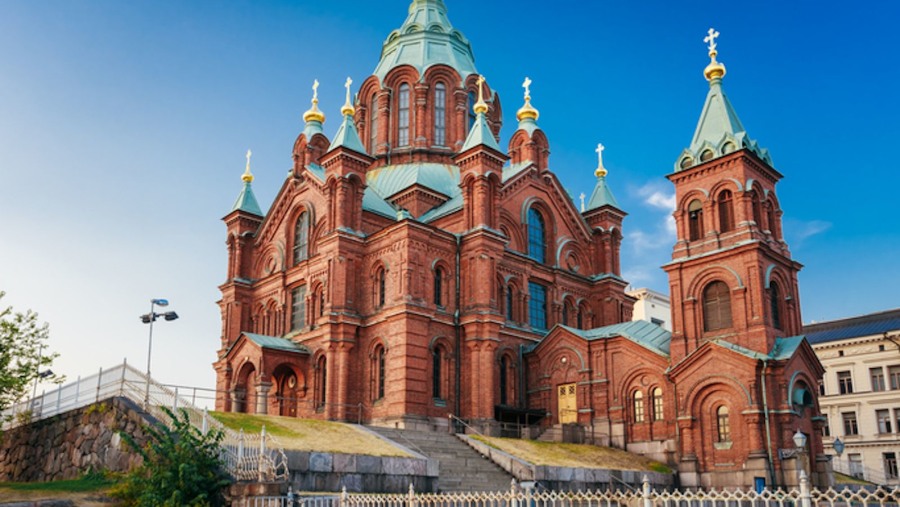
[(470, 107), (537, 305), (373, 124), (638, 405), (321, 383), (775, 302), (403, 116), (379, 288), (438, 286), (657, 404), (726, 211), (322, 301), (695, 220), (379, 372), (536, 238), (436, 377), (504, 366), (301, 237), (754, 203), (565, 313), (580, 318), (723, 425), (716, 306), (298, 308), (440, 114), (510, 302)]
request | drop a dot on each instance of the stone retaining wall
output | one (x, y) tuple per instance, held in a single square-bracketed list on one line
[(570, 478), (321, 471), (67, 445)]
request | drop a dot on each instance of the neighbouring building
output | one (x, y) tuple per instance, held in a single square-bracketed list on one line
[(860, 393), (651, 306), (411, 268)]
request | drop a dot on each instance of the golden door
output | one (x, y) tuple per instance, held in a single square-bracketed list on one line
[(568, 406)]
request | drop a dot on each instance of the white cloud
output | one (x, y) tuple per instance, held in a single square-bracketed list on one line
[(657, 197), (811, 228)]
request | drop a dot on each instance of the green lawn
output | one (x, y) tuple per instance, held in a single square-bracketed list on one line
[(89, 482)]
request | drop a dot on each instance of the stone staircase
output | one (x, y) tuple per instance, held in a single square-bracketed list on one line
[(462, 468)]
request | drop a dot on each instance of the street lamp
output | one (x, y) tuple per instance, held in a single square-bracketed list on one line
[(838, 446), (150, 318)]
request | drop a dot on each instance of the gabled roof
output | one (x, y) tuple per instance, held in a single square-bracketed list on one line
[(646, 334), (426, 38), (277, 343), (853, 327), (347, 137), (391, 179), (601, 196), (246, 201)]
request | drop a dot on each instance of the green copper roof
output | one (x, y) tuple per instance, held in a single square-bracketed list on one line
[(718, 132), (426, 38), (602, 196), (646, 334), (480, 134), (388, 180), (312, 128), (783, 348), (274, 342), (347, 136), (375, 203), (246, 201)]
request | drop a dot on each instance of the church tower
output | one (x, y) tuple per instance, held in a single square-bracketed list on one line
[(737, 361)]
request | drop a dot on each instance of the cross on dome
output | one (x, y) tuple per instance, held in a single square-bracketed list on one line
[(347, 108), (601, 171), (313, 114), (315, 89), (715, 70), (526, 84), (711, 39), (247, 176)]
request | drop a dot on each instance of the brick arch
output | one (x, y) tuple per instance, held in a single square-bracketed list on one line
[(631, 376), (732, 184), (700, 194), (704, 399), (243, 389), (567, 351), (516, 241), (711, 273), (269, 261), (698, 390), (441, 72), (568, 246)]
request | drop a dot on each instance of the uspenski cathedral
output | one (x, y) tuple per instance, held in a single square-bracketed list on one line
[(411, 269)]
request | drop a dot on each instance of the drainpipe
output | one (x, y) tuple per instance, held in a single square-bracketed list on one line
[(457, 368), (765, 398)]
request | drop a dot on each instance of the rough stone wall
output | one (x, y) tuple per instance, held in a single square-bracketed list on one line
[(67, 445)]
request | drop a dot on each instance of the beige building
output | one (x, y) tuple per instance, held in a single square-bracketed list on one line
[(652, 306), (860, 396)]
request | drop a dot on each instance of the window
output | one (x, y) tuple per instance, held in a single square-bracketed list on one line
[(695, 220), (726, 211), (877, 376), (845, 382), (537, 305), (850, 425), (470, 107), (754, 203), (301, 237), (440, 114), (536, 238), (579, 318), (716, 307), (373, 124), (565, 314), (723, 424), (504, 367), (380, 288), (438, 286), (403, 116), (856, 466), (379, 372), (436, 360), (509, 303), (321, 384), (775, 305), (883, 418), (826, 428), (770, 217), (890, 465), (894, 375), (321, 302), (638, 403), (821, 388), (657, 404), (298, 308), (706, 155)]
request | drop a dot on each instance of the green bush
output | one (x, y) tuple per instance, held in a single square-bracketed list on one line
[(181, 467)]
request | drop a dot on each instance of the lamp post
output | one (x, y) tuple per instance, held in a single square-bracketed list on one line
[(800, 443), (150, 318)]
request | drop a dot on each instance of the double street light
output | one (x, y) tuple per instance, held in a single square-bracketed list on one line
[(150, 318)]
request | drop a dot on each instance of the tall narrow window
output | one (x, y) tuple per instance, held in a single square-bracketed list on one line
[(754, 203), (403, 116), (436, 360), (438, 286), (565, 313), (770, 217), (380, 287), (723, 424), (440, 114), (890, 465), (373, 124), (380, 366), (579, 317), (301, 237), (536, 238), (510, 300), (726, 211), (322, 384), (883, 418), (695, 220), (845, 382), (298, 308), (850, 425), (504, 365), (775, 302), (321, 301), (657, 404), (877, 376), (470, 107), (638, 405), (894, 376), (716, 307), (537, 305)]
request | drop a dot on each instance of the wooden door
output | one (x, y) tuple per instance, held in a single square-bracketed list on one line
[(567, 404)]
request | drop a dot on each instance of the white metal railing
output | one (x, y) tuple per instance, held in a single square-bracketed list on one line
[(246, 456)]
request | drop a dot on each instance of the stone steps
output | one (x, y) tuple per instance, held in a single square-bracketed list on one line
[(461, 468)]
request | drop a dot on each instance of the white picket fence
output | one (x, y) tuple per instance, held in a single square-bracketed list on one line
[(247, 457)]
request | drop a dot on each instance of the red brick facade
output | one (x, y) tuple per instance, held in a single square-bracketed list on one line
[(343, 303)]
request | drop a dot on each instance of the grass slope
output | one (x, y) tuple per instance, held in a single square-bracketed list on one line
[(311, 434), (573, 455)]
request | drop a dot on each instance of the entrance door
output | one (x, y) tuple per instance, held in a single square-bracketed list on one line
[(568, 406)]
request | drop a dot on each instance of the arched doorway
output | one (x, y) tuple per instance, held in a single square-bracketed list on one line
[(244, 392), (288, 390)]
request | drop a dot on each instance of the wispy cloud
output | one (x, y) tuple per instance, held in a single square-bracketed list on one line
[(657, 197), (798, 231)]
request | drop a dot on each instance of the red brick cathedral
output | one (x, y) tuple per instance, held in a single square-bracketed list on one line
[(410, 268)]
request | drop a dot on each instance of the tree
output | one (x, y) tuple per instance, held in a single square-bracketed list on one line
[(21, 360), (181, 467)]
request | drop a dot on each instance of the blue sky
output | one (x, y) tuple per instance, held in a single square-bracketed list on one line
[(123, 128)]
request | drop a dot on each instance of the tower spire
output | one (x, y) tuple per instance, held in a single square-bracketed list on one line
[(480, 133), (347, 136), (246, 201), (715, 70), (602, 195), (313, 113)]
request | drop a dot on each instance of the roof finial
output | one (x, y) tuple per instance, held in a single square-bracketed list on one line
[(480, 106), (247, 177), (527, 111), (313, 114), (601, 171), (347, 109), (582, 196), (715, 70)]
